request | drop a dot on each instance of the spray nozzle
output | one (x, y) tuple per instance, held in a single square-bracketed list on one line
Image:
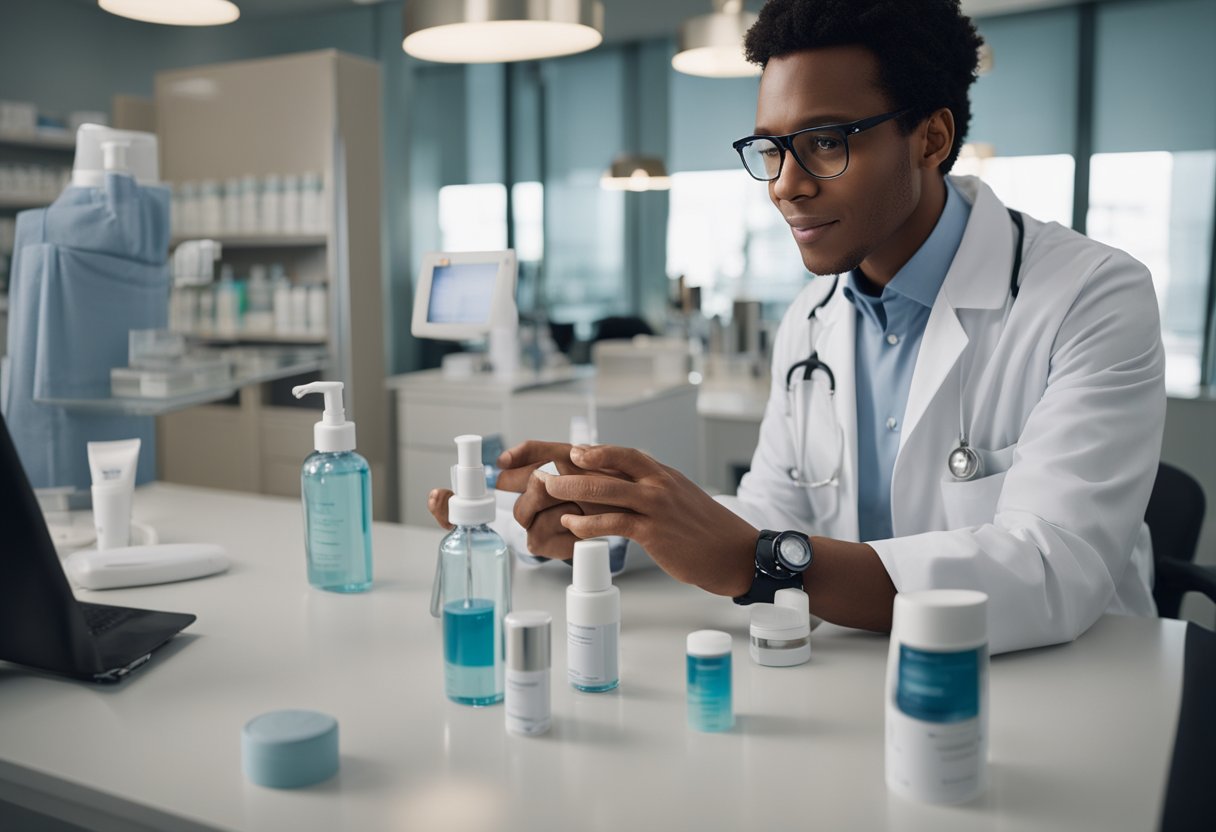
[(335, 413)]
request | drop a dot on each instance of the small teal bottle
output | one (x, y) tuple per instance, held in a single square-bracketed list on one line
[(336, 487), (710, 704), (474, 586)]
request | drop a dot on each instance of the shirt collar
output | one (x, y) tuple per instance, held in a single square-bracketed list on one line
[(922, 276)]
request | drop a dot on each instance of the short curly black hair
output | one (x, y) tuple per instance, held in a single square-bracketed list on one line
[(928, 50)]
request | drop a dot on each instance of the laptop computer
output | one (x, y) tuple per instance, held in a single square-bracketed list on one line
[(42, 625)]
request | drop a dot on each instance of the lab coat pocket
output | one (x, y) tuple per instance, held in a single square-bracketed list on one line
[(973, 502)]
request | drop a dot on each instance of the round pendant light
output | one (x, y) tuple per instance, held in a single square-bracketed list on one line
[(496, 31), (711, 45), (175, 12)]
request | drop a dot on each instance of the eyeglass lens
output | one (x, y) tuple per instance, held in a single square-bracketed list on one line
[(823, 153)]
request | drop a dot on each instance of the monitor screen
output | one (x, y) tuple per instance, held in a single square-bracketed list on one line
[(461, 293)]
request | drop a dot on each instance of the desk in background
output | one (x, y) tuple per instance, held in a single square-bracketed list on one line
[(1081, 735)]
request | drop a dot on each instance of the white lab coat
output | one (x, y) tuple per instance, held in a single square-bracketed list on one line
[(1065, 385)]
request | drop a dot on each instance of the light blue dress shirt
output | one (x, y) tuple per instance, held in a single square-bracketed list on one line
[(889, 331)]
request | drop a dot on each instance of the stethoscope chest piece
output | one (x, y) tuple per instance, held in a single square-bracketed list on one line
[(964, 463)]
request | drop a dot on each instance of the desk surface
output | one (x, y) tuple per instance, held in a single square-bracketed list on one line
[(1081, 735)]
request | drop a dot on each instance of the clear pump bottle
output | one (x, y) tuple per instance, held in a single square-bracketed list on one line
[(474, 586), (336, 487)]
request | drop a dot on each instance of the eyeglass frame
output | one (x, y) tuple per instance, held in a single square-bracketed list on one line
[(786, 143)]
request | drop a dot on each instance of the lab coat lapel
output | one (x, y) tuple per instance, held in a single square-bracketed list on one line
[(836, 345), (977, 279)]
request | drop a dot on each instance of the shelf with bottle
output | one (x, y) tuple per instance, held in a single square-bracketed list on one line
[(288, 207), (235, 241), (268, 306), (155, 393), (39, 140)]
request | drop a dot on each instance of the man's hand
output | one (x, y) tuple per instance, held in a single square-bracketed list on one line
[(535, 509), (692, 537)]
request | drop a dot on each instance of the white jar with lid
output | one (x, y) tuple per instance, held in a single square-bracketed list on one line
[(780, 635)]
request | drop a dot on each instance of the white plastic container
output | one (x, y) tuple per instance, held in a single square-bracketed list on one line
[(232, 206), (937, 696), (291, 205), (780, 636), (298, 323), (318, 310), (250, 215), (593, 620), (527, 682)]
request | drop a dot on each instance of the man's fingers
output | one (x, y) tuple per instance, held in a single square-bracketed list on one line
[(629, 461), (532, 452), (602, 525), (437, 504), (602, 491), (534, 500)]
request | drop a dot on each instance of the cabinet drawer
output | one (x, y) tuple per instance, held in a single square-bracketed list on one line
[(436, 425)]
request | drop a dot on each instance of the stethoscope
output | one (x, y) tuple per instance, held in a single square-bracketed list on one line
[(963, 462)]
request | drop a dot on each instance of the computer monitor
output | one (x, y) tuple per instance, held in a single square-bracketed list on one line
[(465, 295)]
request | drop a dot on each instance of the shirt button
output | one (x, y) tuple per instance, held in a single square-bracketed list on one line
[(892, 339), (892, 424)]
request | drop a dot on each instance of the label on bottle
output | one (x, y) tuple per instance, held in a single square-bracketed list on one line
[(936, 732), (591, 654), (527, 701), (334, 519), (939, 687)]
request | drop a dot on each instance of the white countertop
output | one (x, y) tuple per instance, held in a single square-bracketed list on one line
[(1081, 735)]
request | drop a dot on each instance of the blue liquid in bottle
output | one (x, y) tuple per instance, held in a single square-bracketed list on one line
[(337, 492), (710, 707), (476, 597), (468, 652)]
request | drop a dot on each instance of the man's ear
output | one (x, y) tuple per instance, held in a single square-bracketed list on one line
[(937, 138)]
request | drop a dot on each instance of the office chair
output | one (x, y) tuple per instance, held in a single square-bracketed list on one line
[(1175, 516)]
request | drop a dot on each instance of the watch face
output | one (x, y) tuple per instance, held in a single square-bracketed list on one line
[(794, 552)]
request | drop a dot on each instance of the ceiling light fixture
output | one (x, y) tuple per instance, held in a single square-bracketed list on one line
[(496, 31), (634, 172), (711, 45), (175, 13)]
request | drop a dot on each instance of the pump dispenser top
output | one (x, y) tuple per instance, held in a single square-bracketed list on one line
[(333, 434), (472, 504)]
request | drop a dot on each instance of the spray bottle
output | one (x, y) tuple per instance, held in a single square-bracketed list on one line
[(336, 487), (474, 585)]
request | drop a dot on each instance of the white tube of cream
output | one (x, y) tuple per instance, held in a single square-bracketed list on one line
[(112, 465)]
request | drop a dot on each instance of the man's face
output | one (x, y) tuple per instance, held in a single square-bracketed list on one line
[(838, 223)]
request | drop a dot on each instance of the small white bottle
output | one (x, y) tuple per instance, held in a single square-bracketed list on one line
[(281, 299), (937, 696), (529, 655), (250, 215), (232, 206), (271, 205), (299, 310), (291, 208), (318, 310), (593, 620)]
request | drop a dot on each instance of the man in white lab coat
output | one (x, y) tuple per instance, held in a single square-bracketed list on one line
[(998, 382)]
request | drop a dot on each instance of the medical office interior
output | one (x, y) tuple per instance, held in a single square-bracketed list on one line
[(320, 179)]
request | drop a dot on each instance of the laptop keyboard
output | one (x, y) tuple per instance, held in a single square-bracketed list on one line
[(100, 617)]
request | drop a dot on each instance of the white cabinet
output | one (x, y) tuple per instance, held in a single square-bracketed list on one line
[(431, 411), (288, 115)]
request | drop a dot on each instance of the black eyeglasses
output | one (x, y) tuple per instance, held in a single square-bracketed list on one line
[(823, 152)]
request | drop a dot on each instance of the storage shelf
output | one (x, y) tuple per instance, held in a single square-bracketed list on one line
[(36, 141), (159, 406), (259, 240), (213, 337), (23, 202)]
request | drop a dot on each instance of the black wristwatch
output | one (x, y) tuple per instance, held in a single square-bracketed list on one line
[(781, 558)]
